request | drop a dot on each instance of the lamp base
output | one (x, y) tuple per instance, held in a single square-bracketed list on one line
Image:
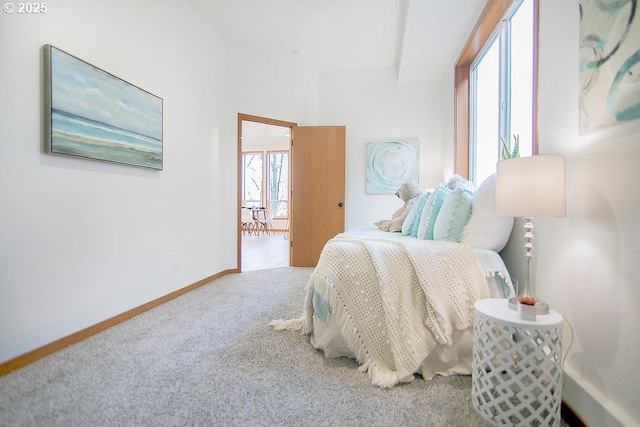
[(541, 307)]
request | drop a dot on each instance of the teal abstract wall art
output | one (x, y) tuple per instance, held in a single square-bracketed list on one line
[(389, 164), (609, 63), (92, 114)]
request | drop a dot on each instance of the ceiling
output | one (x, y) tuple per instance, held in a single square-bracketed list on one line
[(420, 38)]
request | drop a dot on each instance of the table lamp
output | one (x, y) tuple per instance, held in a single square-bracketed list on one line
[(530, 187)]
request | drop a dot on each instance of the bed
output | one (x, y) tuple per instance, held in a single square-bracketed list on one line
[(402, 303)]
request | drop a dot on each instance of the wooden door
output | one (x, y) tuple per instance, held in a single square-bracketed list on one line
[(317, 190)]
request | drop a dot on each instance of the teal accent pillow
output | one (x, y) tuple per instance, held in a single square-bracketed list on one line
[(453, 216), (430, 212), (411, 222)]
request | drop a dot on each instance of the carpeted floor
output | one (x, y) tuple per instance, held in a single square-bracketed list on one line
[(210, 358)]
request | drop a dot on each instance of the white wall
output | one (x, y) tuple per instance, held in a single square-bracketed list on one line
[(586, 265), (80, 240), (373, 105), (276, 87)]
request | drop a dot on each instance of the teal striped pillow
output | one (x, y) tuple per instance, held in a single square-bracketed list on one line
[(430, 212), (410, 224), (453, 216)]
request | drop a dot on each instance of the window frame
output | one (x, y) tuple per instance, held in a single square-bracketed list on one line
[(485, 29)]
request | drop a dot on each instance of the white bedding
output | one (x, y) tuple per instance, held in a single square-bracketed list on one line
[(397, 304), (498, 278)]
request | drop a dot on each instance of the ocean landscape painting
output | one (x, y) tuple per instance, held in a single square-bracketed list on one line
[(93, 114)]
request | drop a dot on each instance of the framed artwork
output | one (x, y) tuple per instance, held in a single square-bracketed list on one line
[(390, 163), (92, 114), (609, 64)]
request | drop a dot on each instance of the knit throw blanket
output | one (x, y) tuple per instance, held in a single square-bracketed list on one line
[(395, 299)]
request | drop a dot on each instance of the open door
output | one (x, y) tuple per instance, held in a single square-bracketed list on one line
[(242, 118), (317, 190)]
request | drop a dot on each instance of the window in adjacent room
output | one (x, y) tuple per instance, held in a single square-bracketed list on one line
[(278, 183), (272, 168), (252, 179)]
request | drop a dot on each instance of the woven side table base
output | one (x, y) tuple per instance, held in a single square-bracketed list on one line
[(516, 372)]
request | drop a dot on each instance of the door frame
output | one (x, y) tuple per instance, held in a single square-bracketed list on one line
[(267, 121)]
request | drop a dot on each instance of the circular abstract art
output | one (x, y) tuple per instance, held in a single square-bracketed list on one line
[(389, 164)]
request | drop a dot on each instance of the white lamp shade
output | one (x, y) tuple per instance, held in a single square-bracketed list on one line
[(531, 186)]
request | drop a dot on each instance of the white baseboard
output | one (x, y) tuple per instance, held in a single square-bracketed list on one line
[(593, 407)]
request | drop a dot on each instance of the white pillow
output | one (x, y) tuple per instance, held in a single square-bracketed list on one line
[(485, 230), (457, 181)]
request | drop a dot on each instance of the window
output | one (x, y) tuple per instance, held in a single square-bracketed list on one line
[(495, 88), (485, 114), (278, 183), (252, 179), (271, 167)]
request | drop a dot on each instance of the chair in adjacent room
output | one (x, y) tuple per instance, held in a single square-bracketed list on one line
[(248, 222), (266, 223)]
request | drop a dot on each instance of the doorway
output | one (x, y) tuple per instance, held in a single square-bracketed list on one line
[(264, 181)]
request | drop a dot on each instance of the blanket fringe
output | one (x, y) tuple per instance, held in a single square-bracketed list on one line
[(291, 324), (304, 323), (381, 377)]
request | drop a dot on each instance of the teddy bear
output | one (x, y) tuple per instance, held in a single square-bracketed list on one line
[(409, 192)]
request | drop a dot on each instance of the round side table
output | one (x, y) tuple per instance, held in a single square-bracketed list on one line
[(517, 365)]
